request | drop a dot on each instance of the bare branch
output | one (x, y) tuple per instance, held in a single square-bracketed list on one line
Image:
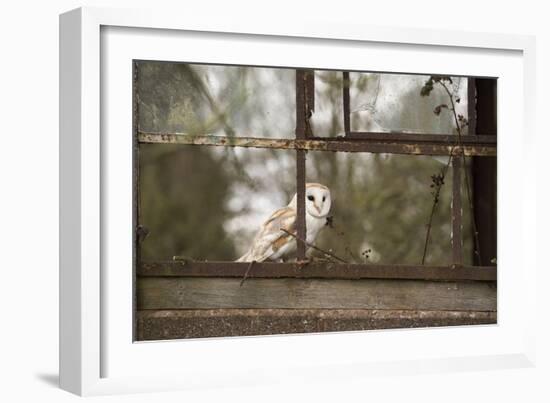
[(324, 252), (246, 272), (444, 172), (466, 176)]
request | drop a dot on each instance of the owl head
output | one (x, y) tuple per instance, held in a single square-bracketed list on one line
[(317, 200)]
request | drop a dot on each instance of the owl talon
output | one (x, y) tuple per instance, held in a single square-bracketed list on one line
[(302, 263)]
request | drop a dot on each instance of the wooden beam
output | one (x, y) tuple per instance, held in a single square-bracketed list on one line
[(325, 270), (213, 293)]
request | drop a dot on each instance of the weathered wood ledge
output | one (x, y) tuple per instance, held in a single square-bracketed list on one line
[(185, 324), (326, 270)]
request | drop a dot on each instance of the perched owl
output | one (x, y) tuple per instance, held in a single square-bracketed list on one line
[(271, 243)]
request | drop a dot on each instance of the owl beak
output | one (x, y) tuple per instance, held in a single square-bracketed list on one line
[(317, 208)]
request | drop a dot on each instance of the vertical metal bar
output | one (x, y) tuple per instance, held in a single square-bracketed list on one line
[(301, 123), (485, 173), (309, 100), (301, 207), (300, 104), (135, 191), (310, 91), (456, 217), (457, 241), (472, 123), (346, 101)]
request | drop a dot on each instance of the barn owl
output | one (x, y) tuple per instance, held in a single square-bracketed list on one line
[(271, 243)]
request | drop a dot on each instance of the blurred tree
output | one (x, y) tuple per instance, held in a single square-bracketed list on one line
[(183, 196), (206, 203), (382, 202), (184, 190)]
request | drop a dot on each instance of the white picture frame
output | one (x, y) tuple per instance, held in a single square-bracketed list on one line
[(96, 354)]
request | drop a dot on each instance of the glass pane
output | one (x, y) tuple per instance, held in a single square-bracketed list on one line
[(328, 118), (382, 102), (393, 103), (221, 100), (381, 205), (206, 203)]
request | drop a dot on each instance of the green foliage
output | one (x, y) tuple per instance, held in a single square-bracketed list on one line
[(382, 203), (184, 191)]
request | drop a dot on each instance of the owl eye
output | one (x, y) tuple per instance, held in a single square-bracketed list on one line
[(324, 198), (310, 198)]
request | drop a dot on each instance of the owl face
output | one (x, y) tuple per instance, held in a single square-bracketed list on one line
[(317, 200)]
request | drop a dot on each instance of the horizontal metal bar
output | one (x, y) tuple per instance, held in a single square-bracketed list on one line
[(327, 144), (424, 137), (315, 270)]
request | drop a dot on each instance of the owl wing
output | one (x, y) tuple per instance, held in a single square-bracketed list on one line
[(270, 238)]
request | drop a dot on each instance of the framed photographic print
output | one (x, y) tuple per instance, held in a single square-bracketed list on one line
[(309, 186), (224, 247)]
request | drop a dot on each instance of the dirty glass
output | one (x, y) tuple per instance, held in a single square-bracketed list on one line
[(220, 100), (206, 203), (381, 102)]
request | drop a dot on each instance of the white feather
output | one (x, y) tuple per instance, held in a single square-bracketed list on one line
[(272, 243)]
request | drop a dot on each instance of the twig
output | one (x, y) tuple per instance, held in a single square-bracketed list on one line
[(347, 248), (350, 253), (326, 253), (477, 250), (182, 258), (443, 174), (246, 272), (441, 181), (439, 185)]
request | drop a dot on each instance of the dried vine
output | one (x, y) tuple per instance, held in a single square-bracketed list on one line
[(328, 254), (438, 180)]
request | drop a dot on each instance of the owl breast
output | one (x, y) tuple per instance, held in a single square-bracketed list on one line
[(313, 226)]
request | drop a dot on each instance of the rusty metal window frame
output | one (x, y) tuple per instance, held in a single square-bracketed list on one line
[(473, 145)]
